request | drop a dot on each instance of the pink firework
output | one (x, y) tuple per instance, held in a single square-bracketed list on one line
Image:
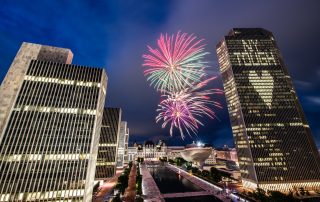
[(177, 62), (183, 109)]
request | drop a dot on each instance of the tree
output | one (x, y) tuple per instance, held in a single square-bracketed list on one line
[(194, 170), (179, 161), (205, 173), (163, 159), (140, 160), (215, 174), (139, 199), (225, 174), (122, 182), (139, 183), (260, 194), (127, 171), (117, 198), (276, 196), (187, 165)]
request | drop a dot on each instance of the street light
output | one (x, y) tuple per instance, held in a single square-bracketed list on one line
[(199, 144)]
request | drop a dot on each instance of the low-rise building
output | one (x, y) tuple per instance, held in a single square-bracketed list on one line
[(123, 144), (150, 151), (211, 160), (226, 153), (174, 152)]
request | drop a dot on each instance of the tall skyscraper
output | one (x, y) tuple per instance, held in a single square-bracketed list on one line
[(123, 144), (108, 143), (126, 147), (51, 113), (275, 147), (15, 76)]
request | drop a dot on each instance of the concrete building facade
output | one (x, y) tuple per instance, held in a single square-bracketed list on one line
[(123, 145), (50, 116), (108, 143)]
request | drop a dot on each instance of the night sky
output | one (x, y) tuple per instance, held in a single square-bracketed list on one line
[(114, 35)]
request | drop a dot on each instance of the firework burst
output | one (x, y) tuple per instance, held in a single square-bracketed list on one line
[(183, 109), (177, 63)]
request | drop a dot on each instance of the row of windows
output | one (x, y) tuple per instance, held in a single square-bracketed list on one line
[(64, 71), (261, 94), (51, 121)]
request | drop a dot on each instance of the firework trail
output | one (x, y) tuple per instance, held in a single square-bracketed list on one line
[(183, 109), (177, 63)]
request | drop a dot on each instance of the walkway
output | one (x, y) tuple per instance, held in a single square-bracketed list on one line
[(130, 192), (107, 187), (186, 194), (208, 187), (150, 190)]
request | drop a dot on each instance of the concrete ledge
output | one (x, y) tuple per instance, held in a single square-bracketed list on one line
[(210, 188), (150, 190), (186, 194)]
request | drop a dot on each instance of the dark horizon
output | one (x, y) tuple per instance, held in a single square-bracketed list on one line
[(114, 35)]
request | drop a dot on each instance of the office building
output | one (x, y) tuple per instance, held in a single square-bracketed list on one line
[(211, 160), (275, 147), (108, 143), (126, 147), (50, 116), (123, 144), (150, 151)]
